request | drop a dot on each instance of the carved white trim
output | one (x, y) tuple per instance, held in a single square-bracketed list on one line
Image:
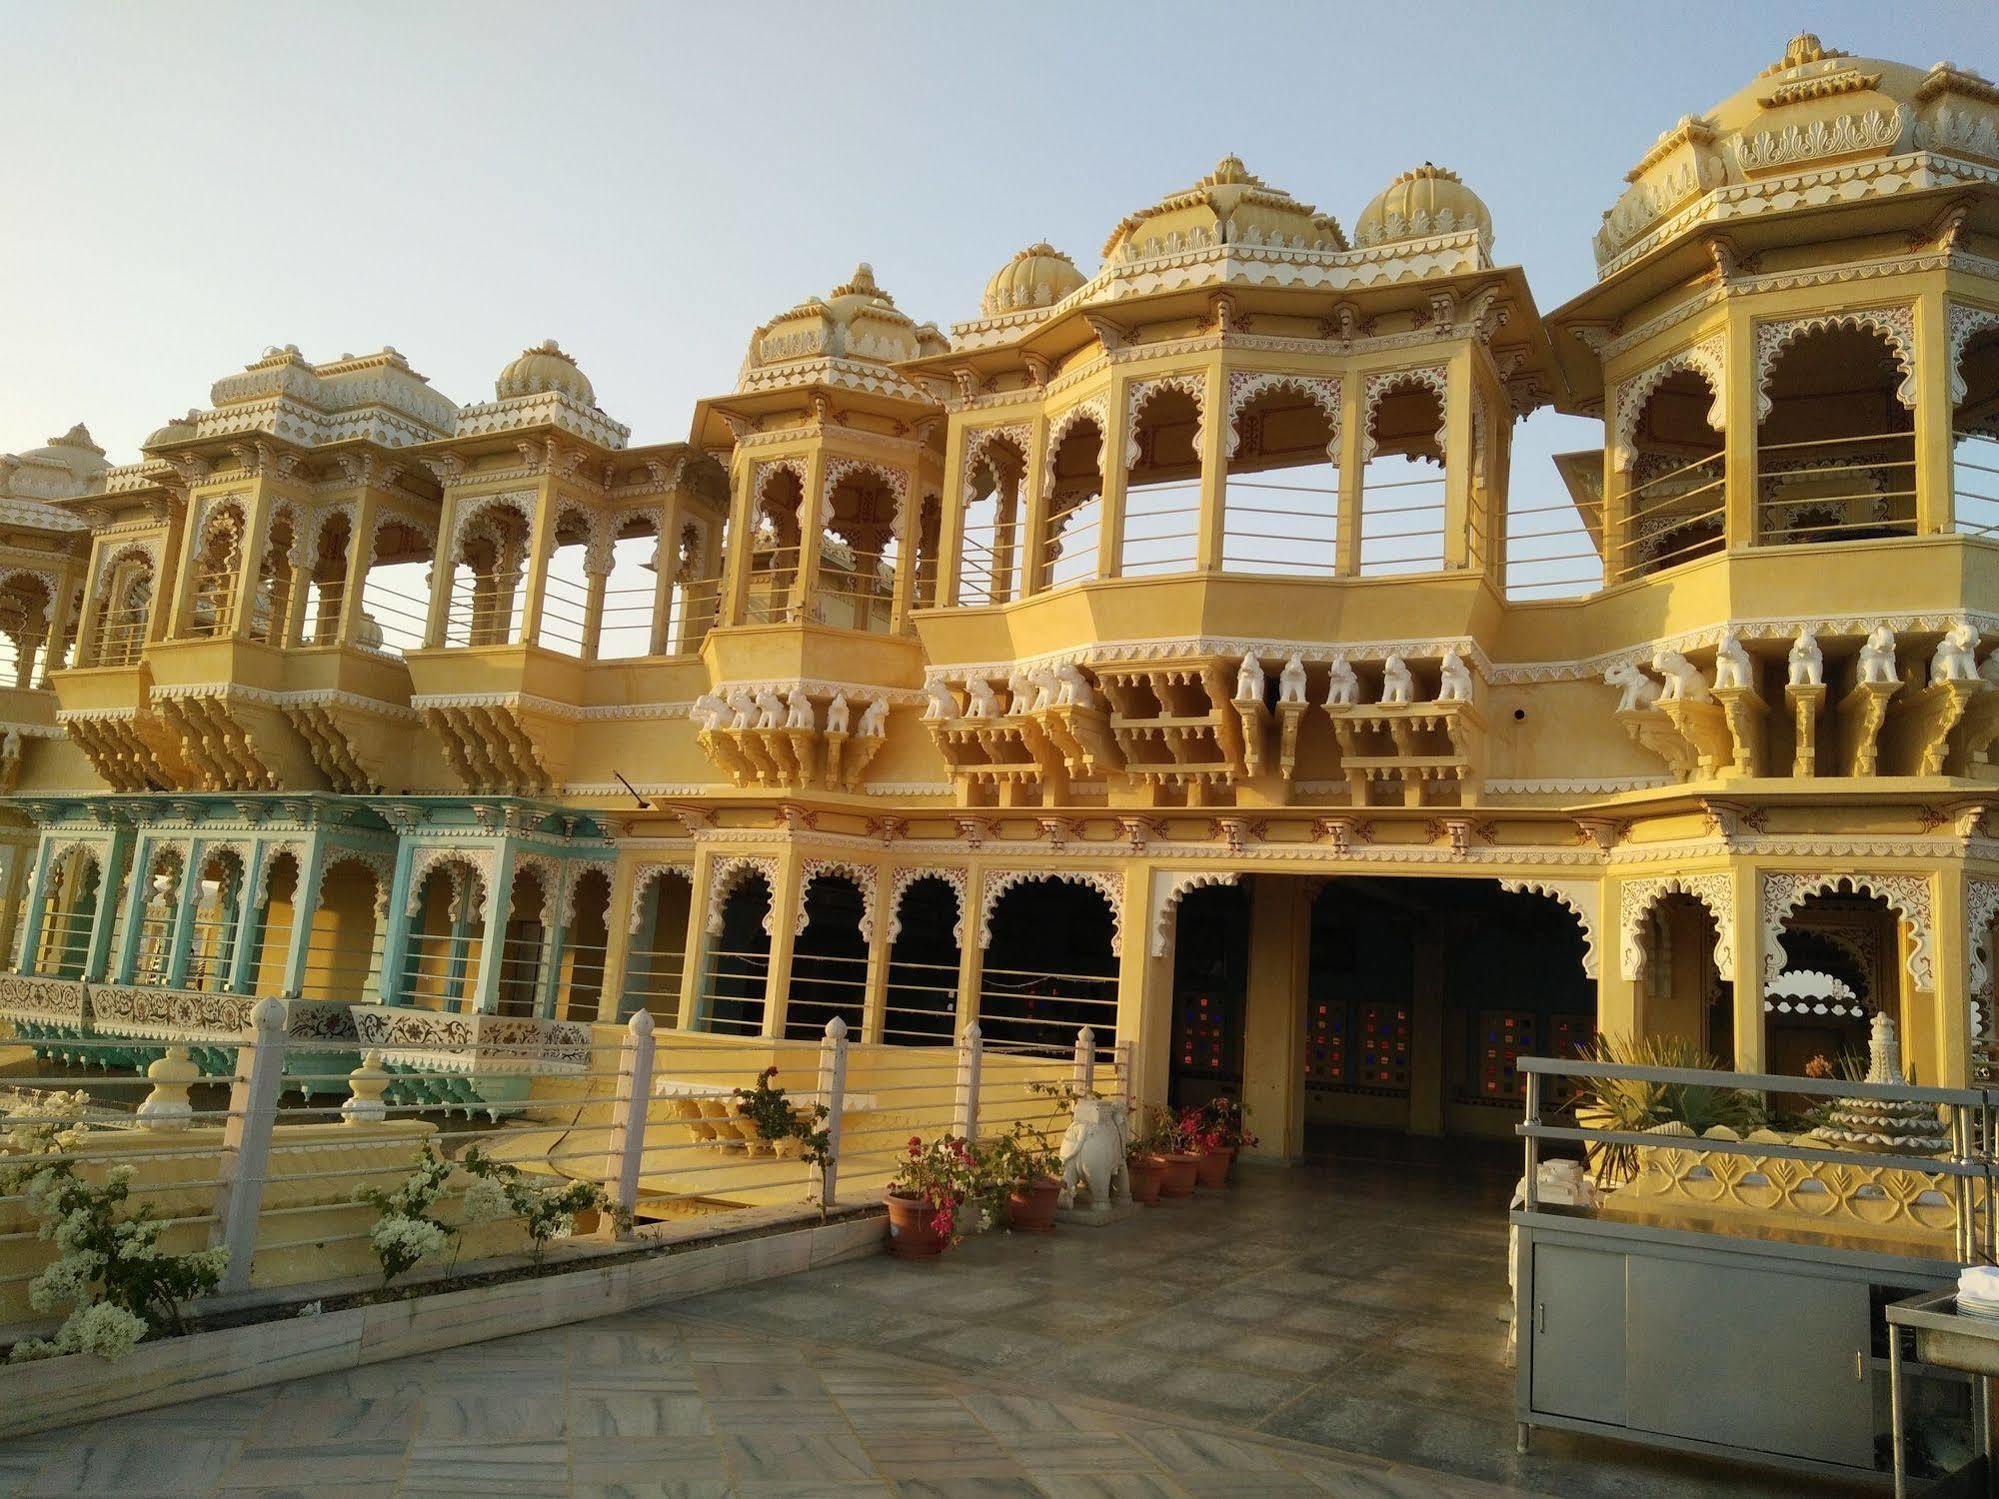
[(456, 864), (839, 470), (521, 501), (644, 877), (730, 872), (1139, 392), (1578, 897), (1896, 324), (573, 871), (273, 852), (900, 883), (1981, 907), (761, 475), (1908, 895), (863, 876), (1107, 883), (1708, 359), (1246, 386), (1172, 887), (381, 865), (1964, 323), (1058, 431), (1435, 378), (1635, 901), (1019, 434)]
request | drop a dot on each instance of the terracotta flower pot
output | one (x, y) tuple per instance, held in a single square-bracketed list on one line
[(1030, 1207), (912, 1229), (1211, 1167), (1146, 1172), (1179, 1179)]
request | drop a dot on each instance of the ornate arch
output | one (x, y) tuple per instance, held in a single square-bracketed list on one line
[(386, 518), (1174, 887), (1194, 386), (312, 531), (1963, 324), (456, 863), (1058, 432), (839, 470), (380, 865), (1635, 901), (864, 878), (50, 586), (273, 852), (148, 550), (644, 877), (764, 472), (1434, 378), (1708, 359), (521, 501), (1246, 386), (1578, 898), (1107, 883), (899, 884), (1981, 908), (1908, 895), (548, 874), (221, 846), (729, 873), (1019, 435), (89, 847), (158, 853), (1897, 325), (573, 872)]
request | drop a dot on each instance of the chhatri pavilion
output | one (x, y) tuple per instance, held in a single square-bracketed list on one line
[(1170, 648)]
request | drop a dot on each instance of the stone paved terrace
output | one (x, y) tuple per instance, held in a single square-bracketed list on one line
[(1332, 1329)]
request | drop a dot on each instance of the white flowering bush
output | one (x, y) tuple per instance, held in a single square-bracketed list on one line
[(406, 1234), (546, 1212), (109, 1268)]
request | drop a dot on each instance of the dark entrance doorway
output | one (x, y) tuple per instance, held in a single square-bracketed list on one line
[(1210, 990)]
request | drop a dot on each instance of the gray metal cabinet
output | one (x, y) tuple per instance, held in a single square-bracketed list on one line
[(1579, 1342)]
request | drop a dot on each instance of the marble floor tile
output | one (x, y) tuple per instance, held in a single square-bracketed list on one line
[(135, 1462), (796, 1457), (596, 1413)]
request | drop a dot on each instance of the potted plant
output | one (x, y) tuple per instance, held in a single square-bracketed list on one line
[(1145, 1161), (927, 1195), (781, 1126), (1218, 1131), (1021, 1177), (1176, 1151)]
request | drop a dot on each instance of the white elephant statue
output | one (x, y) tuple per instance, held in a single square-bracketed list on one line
[(1453, 679), (1807, 661), (1639, 691), (1398, 683), (942, 703), (1249, 679), (1291, 681), (1683, 681), (1093, 1152), (1342, 684), (1877, 658), (1956, 658), (798, 711), (838, 714), (1731, 661)]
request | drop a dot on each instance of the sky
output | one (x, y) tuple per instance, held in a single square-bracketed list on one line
[(189, 184)]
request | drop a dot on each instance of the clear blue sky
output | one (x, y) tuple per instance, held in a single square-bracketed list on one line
[(186, 184)]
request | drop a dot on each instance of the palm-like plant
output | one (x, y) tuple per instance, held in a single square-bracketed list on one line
[(1635, 1105)]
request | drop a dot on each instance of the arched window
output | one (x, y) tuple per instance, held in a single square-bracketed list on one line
[(991, 555), (26, 607), (1402, 482), (343, 955), (72, 894), (212, 929), (585, 938), (1835, 451), (1975, 438), (395, 591), (829, 963), (1162, 496), (1071, 529), (1282, 500), (1674, 501), (656, 948), (212, 590), (858, 552), (441, 960), (524, 944), (773, 571), (922, 999), (565, 588), (626, 628), (1049, 969), (326, 579), (486, 595), (737, 963), (124, 610)]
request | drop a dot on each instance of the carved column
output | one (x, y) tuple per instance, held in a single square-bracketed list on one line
[(1738, 439), (493, 940), (908, 542), (1936, 502), (1458, 457), (816, 506), (540, 548), (598, 559), (1746, 972), (1950, 963), (360, 557), (442, 565), (785, 896), (1273, 1033), (305, 907), (951, 520), (694, 957), (1353, 469), (971, 950), (665, 572), (1118, 427), (1212, 530)]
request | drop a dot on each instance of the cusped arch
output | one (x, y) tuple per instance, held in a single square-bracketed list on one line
[(1434, 378), (470, 871), (1141, 394), (1017, 436), (861, 876), (520, 501), (1636, 898), (1907, 895), (1707, 359), (727, 876), (1577, 897), (1106, 883), (840, 470), (1963, 324), (1174, 887), (92, 851), (1091, 411), (1246, 387), (644, 878), (1895, 326), (904, 880), (379, 866)]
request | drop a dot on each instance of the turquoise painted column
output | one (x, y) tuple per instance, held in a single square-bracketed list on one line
[(38, 898), (116, 874), (396, 931), (492, 947), (249, 921), (180, 947), (552, 947), (305, 905), (138, 891), (457, 956)]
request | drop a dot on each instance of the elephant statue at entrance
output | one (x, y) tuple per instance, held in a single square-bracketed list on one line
[(1093, 1152)]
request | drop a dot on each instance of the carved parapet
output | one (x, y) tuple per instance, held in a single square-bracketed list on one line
[(38, 1005), (1861, 713), (1805, 702), (469, 1061), (1743, 712), (1426, 748), (1916, 732)]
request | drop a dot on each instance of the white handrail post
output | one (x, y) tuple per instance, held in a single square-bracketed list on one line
[(246, 1141), (628, 1134), (832, 1093), (970, 1048), (1085, 1074)]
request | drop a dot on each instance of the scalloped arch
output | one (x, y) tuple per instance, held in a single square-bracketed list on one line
[(727, 875), (520, 501), (1434, 378), (1896, 325), (863, 878), (1176, 887), (1106, 883), (1637, 897), (1139, 396), (1577, 897), (1708, 359), (1059, 429), (1908, 895), (953, 880), (1018, 436), (1246, 386), (644, 877)]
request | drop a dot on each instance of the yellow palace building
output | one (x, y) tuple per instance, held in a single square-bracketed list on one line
[(1167, 649)]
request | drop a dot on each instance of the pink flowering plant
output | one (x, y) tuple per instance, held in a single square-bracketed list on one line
[(944, 1175), (1216, 1125)]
